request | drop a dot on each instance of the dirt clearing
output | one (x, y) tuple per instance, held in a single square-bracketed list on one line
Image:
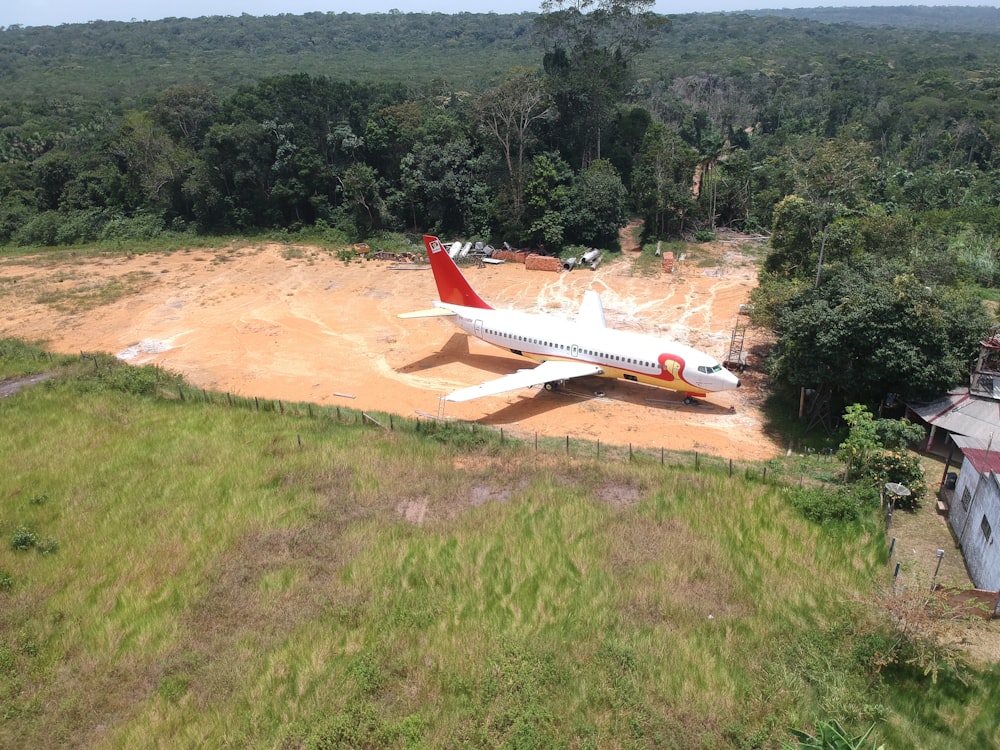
[(298, 324)]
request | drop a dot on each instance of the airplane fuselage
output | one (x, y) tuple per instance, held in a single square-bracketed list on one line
[(632, 356)]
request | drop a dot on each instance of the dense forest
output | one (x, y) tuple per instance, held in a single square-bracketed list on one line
[(977, 18), (867, 151)]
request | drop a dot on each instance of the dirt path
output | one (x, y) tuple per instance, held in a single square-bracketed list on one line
[(298, 324), (627, 236), (10, 387)]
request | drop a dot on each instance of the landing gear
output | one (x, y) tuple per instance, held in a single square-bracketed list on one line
[(551, 385), (688, 401)]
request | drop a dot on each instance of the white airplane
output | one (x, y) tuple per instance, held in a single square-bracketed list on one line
[(566, 349)]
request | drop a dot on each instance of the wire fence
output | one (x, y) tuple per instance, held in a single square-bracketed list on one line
[(152, 380), (473, 434)]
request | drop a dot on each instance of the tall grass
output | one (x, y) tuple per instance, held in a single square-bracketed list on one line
[(233, 577), (945, 714), (20, 358), (147, 240)]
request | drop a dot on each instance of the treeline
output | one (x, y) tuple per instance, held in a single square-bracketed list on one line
[(608, 116), (972, 18)]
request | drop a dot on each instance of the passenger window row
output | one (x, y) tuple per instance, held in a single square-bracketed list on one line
[(589, 352)]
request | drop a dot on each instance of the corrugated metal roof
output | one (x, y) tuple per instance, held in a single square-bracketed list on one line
[(983, 455), (962, 413)]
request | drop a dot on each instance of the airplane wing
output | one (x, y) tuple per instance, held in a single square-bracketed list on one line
[(591, 310), (551, 370), (434, 312)]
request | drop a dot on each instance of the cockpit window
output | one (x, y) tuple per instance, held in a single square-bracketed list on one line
[(709, 370)]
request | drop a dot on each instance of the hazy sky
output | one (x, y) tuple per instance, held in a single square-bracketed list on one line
[(55, 12)]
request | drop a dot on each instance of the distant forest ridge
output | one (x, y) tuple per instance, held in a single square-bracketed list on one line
[(125, 63), (979, 18), (969, 18)]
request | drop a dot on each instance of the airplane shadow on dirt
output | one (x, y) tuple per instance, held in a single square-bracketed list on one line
[(456, 349), (587, 389), (540, 401)]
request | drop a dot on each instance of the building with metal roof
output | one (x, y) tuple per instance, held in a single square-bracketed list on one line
[(972, 412)]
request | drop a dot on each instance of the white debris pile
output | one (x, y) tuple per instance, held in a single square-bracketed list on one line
[(146, 346)]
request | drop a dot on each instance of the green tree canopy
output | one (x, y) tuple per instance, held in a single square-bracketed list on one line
[(876, 329), (597, 204)]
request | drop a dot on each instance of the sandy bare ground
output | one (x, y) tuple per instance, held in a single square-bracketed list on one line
[(297, 323)]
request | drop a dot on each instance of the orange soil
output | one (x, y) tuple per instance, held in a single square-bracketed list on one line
[(296, 323)]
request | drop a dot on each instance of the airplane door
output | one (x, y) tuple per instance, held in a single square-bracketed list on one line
[(574, 351), (479, 329)]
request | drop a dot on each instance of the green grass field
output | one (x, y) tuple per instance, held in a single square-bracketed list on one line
[(195, 575)]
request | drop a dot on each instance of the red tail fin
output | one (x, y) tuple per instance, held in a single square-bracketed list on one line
[(451, 284)]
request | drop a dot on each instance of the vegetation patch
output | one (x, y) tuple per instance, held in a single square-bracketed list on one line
[(88, 294)]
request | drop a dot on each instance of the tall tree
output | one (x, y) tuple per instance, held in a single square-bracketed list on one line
[(507, 113), (662, 179), (186, 112), (597, 205), (548, 199), (440, 175), (589, 48), (149, 157)]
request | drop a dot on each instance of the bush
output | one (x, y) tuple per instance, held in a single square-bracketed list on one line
[(47, 546), (14, 213), (138, 381), (901, 467), (825, 505), (323, 233), (40, 229), (16, 350), (139, 228), (77, 227), (830, 734), (23, 539), (464, 437), (6, 580)]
